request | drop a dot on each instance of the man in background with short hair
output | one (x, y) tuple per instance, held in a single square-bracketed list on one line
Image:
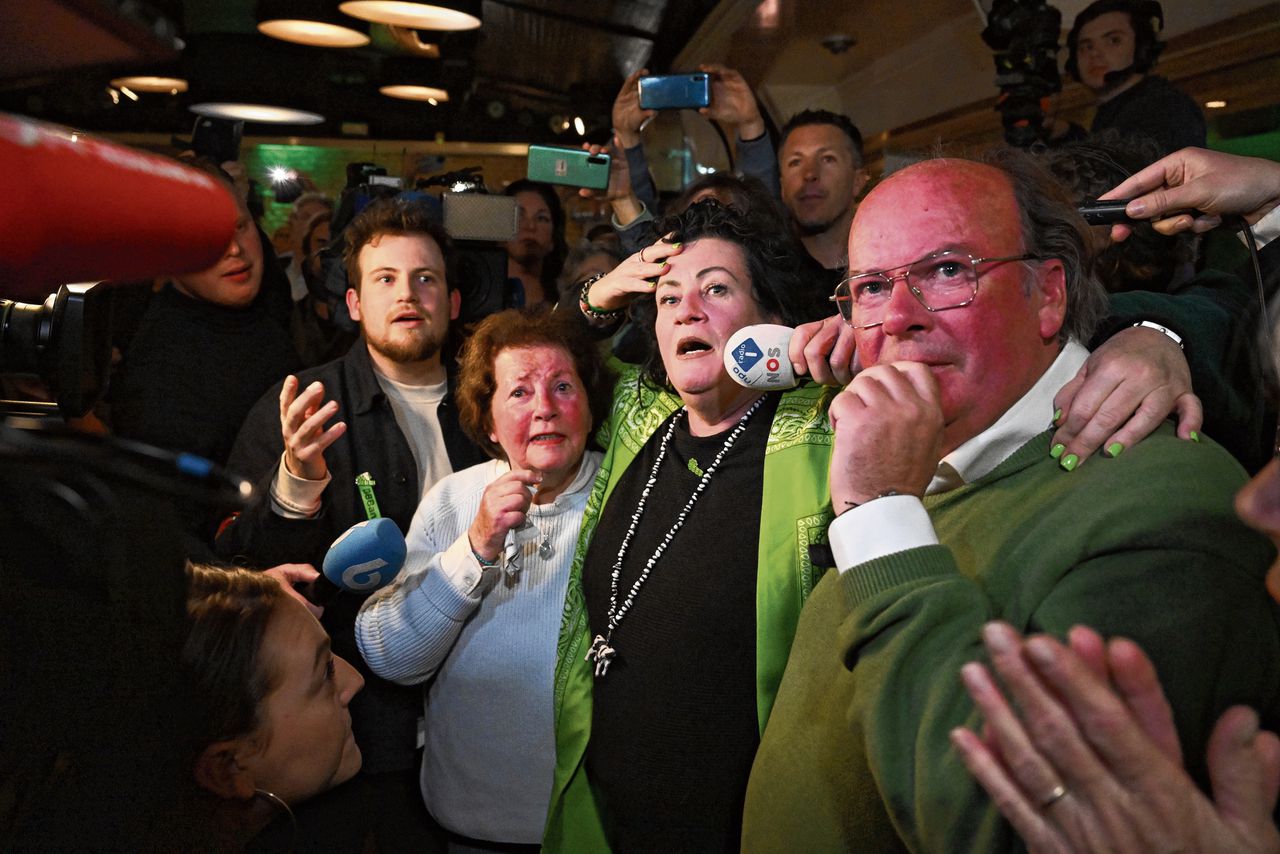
[(822, 174), (1112, 49)]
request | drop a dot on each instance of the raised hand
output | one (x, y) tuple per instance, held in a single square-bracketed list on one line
[(302, 419)]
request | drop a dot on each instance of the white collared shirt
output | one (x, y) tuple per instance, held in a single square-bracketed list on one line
[(900, 522)]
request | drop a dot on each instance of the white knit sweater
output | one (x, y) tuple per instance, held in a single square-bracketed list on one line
[(489, 638)]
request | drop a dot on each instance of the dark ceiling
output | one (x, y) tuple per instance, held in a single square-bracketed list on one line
[(531, 61)]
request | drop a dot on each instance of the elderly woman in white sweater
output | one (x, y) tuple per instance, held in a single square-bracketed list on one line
[(479, 601)]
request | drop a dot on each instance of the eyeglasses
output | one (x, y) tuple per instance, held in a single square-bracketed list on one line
[(939, 282)]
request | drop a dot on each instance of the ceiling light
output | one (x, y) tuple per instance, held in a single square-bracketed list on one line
[(311, 22), (262, 113), (441, 15), (430, 94), (579, 125), (129, 93), (1215, 105), (150, 83), (314, 33)]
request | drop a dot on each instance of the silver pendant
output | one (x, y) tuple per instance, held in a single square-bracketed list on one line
[(602, 654), (544, 548)]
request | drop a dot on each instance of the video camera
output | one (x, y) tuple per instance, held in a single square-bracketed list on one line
[(1024, 36), (65, 341)]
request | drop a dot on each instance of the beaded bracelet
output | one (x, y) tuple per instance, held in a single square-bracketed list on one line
[(591, 312), (484, 562)]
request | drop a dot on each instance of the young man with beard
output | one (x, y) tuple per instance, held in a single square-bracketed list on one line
[(393, 418)]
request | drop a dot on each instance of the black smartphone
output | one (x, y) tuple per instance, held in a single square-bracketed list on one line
[(675, 91)]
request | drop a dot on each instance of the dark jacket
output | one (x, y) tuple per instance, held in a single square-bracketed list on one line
[(384, 716), (1158, 109)]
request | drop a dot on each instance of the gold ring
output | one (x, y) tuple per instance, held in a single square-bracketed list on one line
[(1059, 792)]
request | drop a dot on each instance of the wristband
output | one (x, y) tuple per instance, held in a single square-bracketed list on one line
[(590, 310), (1165, 331), (849, 505), (484, 562)]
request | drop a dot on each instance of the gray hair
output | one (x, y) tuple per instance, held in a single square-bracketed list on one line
[(1053, 228)]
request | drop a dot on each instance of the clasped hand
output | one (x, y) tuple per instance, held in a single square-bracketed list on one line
[(888, 434), (503, 507)]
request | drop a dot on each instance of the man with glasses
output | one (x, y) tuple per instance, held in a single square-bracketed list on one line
[(970, 292)]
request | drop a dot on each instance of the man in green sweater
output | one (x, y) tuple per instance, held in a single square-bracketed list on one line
[(950, 514)]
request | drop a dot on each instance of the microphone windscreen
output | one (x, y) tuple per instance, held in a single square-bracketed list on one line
[(79, 209), (366, 557), (757, 357)]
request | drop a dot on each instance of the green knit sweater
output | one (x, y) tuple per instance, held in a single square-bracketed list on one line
[(856, 754)]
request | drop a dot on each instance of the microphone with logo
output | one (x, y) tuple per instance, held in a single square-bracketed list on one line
[(757, 357), (365, 558)]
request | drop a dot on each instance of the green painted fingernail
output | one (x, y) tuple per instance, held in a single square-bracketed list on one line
[(1115, 449), (1195, 437), (676, 245), (1056, 450), (1057, 415), (1069, 462)]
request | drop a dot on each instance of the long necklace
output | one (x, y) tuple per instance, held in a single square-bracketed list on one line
[(602, 652)]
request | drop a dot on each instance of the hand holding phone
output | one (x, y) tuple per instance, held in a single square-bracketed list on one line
[(675, 91)]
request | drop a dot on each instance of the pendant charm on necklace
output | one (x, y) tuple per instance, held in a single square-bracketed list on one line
[(694, 467), (601, 653), (544, 548)]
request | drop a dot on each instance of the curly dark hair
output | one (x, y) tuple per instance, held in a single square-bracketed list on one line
[(772, 261), (525, 327), (824, 117), (1148, 260), (396, 216)]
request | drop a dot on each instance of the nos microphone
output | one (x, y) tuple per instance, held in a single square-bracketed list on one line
[(80, 209), (757, 357), (365, 558)]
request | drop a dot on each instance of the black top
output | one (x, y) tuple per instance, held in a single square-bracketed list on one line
[(1156, 108), (384, 716), (674, 726), (192, 372)]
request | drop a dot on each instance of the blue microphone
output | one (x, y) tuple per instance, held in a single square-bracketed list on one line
[(366, 557)]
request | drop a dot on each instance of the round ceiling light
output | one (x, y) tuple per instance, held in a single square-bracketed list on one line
[(418, 16), (257, 113), (147, 83), (313, 33), (416, 93)]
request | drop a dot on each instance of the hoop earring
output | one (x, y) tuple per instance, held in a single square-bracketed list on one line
[(277, 801)]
